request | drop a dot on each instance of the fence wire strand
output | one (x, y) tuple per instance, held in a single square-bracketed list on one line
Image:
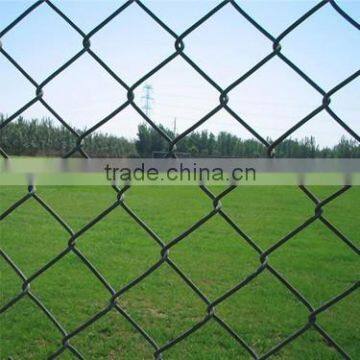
[(218, 209)]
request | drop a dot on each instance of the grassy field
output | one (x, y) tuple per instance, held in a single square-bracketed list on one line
[(215, 257)]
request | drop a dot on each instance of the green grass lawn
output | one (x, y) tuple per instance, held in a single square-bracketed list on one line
[(214, 256)]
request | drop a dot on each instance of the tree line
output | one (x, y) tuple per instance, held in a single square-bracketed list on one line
[(43, 138)]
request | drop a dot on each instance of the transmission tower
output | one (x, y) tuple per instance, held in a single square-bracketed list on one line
[(175, 126), (147, 99)]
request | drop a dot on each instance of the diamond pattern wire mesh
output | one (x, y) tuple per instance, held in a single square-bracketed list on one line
[(115, 294)]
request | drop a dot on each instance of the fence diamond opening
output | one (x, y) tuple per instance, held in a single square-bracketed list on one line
[(218, 210)]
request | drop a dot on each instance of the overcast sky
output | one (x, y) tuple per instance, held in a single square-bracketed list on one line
[(325, 47)]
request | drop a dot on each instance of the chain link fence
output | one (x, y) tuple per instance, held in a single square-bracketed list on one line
[(218, 210)]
